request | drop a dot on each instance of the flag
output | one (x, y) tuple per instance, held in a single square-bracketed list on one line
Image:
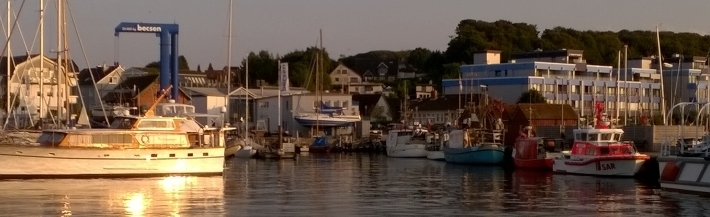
[(283, 77)]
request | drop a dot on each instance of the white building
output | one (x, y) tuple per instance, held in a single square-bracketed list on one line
[(365, 88), (562, 76), (58, 86), (105, 80), (267, 109)]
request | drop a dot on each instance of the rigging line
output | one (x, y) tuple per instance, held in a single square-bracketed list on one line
[(83, 51)]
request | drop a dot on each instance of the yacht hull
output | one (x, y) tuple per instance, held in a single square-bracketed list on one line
[(50, 162)]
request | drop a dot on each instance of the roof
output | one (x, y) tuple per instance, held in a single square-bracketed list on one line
[(205, 91), (366, 102), (99, 73), (544, 111), (362, 65), (139, 83), (438, 104), (20, 59)]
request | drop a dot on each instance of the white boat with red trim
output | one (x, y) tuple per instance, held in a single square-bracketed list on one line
[(598, 151)]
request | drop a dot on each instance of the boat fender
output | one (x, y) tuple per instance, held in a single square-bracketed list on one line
[(145, 139)]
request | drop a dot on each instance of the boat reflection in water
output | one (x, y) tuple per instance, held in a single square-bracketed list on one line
[(173, 195)]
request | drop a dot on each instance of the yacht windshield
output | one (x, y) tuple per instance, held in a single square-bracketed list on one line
[(123, 123)]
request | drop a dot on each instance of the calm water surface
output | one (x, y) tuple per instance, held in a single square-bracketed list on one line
[(348, 185)]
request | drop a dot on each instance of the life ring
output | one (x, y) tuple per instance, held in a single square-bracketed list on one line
[(145, 139)]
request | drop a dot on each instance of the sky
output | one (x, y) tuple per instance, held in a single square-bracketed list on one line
[(349, 26)]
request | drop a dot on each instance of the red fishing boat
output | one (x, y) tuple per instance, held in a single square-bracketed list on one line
[(532, 152)]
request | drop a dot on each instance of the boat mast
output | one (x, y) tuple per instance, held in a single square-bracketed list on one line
[(660, 72), (618, 74), (59, 57), (65, 51), (7, 92), (229, 62), (246, 94), (319, 62), (41, 61)]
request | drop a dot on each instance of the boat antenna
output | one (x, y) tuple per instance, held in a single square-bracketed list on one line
[(150, 112)]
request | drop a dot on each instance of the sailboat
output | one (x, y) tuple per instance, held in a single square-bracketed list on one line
[(324, 115)]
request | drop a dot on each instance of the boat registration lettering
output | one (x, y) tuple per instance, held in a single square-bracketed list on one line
[(609, 166)]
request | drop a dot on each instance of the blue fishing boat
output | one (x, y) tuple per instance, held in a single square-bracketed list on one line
[(462, 150)]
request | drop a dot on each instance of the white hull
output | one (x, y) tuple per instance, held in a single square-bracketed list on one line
[(627, 167), (435, 155), (684, 173), (23, 161), (407, 150)]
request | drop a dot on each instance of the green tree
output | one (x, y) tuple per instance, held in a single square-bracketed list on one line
[(532, 96)]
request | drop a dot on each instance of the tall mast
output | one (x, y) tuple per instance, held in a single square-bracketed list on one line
[(41, 61), (59, 57), (618, 74), (319, 67), (7, 91), (626, 86), (65, 51), (229, 62), (660, 72), (246, 94)]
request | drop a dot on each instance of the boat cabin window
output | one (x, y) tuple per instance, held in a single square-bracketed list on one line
[(123, 123), (156, 124), (607, 136), (593, 137), (617, 137)]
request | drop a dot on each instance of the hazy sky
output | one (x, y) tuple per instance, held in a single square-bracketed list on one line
[(349, 26)]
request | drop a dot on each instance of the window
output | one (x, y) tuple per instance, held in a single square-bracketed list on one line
[(337, 79), (594, 137), (382, 71), (357, 89), (692, 79), (354, 80), (497, 73), (112, 80), (606, 136), (345, 104), (343, 71)]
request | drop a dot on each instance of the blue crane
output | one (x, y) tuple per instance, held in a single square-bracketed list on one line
[(168, 50)]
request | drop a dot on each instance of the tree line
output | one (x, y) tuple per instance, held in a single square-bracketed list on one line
[(471, 36)]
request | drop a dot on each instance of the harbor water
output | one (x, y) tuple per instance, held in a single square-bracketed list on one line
[(349, 185)]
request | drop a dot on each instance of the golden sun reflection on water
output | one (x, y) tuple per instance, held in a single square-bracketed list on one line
[(173, 187), (136, 203)]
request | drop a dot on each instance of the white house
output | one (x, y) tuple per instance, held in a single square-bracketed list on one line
[(365, 88), (208, 101), (342, 76), (105, 79), (26, 77), (441, 110), (374, 106), (267, 109)]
